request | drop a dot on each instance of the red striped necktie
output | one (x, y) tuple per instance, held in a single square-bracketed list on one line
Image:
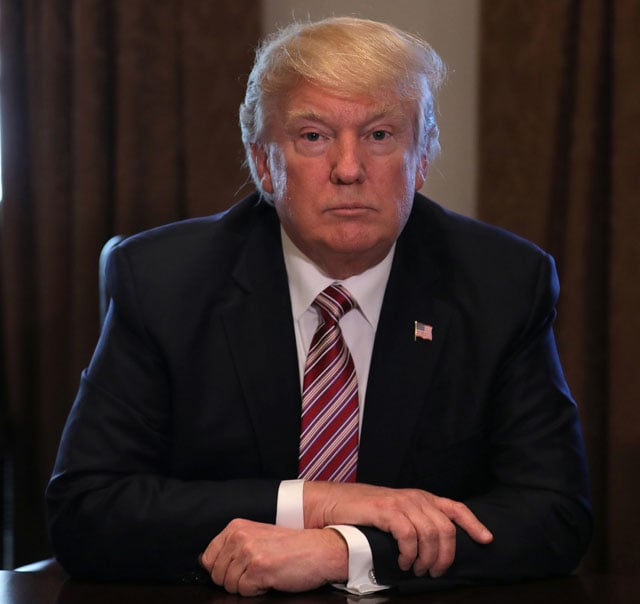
[(329, 434)]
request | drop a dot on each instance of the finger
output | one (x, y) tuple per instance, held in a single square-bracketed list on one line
[(428, 548), (221, 558), (230, 575), (208, 557), (444, 551), (247, 586), (406, 536), (220, 570), (245, 573), (465, 519)]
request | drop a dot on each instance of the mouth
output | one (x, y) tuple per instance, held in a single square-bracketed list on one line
[(349, 211)]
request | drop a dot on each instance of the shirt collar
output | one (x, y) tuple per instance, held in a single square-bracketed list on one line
[(306, 281)]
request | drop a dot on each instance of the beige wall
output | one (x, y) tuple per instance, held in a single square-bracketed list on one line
[(451, 27)]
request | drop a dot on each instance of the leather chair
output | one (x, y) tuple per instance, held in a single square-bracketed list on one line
[(102, 281), (51, 565)]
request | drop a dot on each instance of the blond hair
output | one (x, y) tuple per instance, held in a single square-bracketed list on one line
[(349, 57)]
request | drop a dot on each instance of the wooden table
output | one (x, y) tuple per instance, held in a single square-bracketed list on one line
[(53, 587)]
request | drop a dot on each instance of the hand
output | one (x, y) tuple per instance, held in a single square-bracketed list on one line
[(423, 524), (249, 558)]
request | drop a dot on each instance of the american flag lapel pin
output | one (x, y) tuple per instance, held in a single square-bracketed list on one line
[(422, 331)]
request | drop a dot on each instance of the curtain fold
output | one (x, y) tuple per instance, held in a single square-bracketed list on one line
[(117, 117), (559, 121)]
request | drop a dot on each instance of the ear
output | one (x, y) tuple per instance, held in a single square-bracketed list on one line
[(422, 168), (260, 157)]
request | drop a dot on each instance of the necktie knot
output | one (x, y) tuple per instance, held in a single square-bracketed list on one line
[(334, 302)]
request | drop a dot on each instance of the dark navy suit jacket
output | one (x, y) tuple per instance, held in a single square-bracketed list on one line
[(189, 413)]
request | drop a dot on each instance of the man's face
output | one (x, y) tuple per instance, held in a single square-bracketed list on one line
[(343, 173)]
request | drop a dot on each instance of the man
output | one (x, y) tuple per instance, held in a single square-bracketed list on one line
[(200, 441)]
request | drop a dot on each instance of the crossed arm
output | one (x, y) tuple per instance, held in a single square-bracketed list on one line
[(250, 558), (115, 513)]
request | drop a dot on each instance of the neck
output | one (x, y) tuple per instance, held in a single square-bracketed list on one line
[(341, 266)]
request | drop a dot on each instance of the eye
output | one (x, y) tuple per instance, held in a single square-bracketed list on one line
[(312, 137), (379, 135)]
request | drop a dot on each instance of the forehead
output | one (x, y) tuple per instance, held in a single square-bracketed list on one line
[(307, 102)]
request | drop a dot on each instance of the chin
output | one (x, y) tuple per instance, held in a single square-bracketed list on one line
[(357, 246)]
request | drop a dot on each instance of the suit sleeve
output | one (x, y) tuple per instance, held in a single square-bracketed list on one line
[(536, 503), (117, 509)]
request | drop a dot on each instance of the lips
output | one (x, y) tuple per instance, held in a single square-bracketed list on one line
[(349, 211), (348, 207)]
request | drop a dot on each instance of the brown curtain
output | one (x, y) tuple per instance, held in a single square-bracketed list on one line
[(560, 116), (116, 116)]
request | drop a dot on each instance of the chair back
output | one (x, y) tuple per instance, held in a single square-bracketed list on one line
[(107, 248)]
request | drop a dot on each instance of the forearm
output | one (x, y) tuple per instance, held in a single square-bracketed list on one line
[(118, 509), (145, 526), (536, 534)]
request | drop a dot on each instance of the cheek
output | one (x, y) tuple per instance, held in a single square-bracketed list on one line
[(408, 189)]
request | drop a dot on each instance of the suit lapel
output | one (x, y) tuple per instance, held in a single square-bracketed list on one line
[(259, 326), (401, 366)]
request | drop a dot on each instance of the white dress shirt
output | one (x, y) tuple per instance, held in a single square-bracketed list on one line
[(358, 327)]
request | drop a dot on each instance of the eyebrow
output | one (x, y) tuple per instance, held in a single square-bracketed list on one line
[(303, 114), (311, 115)]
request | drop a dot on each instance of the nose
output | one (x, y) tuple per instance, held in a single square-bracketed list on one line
[(347, 165)]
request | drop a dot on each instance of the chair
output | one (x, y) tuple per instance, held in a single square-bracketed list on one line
[(50, 565), (107, 248)]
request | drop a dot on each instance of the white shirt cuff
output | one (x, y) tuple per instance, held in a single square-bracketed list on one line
[(290, 508), (362, 579)]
